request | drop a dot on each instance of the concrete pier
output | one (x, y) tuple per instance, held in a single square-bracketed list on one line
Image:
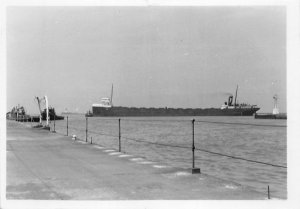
[(42, 165)]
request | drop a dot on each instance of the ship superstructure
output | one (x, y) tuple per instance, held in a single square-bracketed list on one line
[(105, 102), (235, 105)]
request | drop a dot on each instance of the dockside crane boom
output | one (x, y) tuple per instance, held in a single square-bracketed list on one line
[(47, 110), (39, 104), (39, 100)]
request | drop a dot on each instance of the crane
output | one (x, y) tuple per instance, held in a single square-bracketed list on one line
[(40, 100)]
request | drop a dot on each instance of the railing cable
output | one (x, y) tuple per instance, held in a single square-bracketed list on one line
[(207, 151), (247, 124), (240, 158)]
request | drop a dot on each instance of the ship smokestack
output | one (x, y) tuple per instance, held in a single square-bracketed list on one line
[(230, 98)]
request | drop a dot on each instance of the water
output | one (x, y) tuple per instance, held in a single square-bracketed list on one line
[(266, 142)]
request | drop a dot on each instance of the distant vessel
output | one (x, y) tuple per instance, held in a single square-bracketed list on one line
[(17, 113), (106, 109), (67, 112)]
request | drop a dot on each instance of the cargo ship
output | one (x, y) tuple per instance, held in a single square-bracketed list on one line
[(230, 108)]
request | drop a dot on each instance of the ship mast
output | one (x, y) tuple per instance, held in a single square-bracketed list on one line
[(111, 94), (236, 95)]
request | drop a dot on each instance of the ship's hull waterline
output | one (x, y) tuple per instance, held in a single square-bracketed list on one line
[(149, 112)]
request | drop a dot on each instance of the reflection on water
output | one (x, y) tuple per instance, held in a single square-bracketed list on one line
[(265, 141)]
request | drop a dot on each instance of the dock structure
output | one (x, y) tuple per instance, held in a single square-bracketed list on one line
[(270, 116), (43, 165)]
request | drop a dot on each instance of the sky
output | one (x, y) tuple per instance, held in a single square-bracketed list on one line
[(189, 57)]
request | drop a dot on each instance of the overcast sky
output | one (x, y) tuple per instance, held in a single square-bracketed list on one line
[(154, 56)]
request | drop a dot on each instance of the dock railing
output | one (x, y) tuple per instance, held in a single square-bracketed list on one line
[(116, 135), (193, 148)]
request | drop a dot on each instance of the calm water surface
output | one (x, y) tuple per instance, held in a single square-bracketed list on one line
[(264, 141)]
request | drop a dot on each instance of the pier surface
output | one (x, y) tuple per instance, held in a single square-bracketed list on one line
[(42, 165)]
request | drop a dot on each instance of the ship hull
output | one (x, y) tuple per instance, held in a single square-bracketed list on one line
[(152, 112)]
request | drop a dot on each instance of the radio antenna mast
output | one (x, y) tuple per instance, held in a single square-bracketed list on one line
[(236, 95)]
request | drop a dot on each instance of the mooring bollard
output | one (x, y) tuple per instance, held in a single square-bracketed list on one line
[(119, 134), (86, 128), (194, 170), (67, 125), (269, 192)]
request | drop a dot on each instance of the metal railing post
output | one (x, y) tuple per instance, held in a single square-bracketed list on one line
[(67, 125), (193, 145), (54, 125), (119, 134), (194, 170), (86, 128)]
